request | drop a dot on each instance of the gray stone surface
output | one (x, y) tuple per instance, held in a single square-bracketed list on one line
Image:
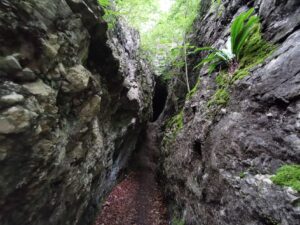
[(68, 123), (217, 170), (15, 120), (77, 79), (10, 64)]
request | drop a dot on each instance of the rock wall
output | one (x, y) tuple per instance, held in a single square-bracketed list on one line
[(256, 133), (73, 99)]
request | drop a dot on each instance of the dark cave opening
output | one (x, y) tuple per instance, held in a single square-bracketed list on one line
[(159, 98), (197, 148)]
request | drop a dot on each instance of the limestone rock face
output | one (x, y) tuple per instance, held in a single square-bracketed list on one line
[(77, 79), (68, 118), (217, 170)]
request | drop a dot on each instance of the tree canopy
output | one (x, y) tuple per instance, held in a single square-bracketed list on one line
[(162, 33)]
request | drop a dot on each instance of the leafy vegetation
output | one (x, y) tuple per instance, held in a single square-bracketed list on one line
[(163, 34), (110, 15), (241, 30), (217, 58), (288, 175), (221, 96), (194, 90), (251, 57), (255, 52), (176, 221), (247, 50), (173, 126), (176, 122), (142, 15), (164, 42), (104, 3), (242, 175)]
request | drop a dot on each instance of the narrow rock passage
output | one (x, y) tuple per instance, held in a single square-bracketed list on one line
[(137, 200)]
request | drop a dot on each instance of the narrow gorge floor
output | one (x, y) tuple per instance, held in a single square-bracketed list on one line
[(138, 199)]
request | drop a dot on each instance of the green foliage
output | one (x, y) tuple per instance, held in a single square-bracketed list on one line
[(162, 33), (288, 175), (254, 55), (177, 221), (242, 175), (110, 16), (139, 14), (176, 122), (242, 29), (221, 97), (173, 126), (217, 58), (256, 49), (104, 3), (244, 50), (194, 90), (255, 52), (251, 57), (166, 76)]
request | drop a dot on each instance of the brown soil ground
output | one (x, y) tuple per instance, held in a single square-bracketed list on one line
[(137, 200)]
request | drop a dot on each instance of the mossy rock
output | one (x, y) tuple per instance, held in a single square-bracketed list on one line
[(255, 52), (221, 97), (190, 94), (177, 221), (173, 126)]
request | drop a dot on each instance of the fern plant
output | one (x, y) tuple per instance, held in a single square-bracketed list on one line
[(217, 58), (241, 30)]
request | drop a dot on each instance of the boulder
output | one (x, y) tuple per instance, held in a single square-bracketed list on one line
[(77, 79), (15, 120)]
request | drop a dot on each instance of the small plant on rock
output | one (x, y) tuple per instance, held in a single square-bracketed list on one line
[(110, 16), (177, 221), (173, 126), (194, 89), (241, 30)]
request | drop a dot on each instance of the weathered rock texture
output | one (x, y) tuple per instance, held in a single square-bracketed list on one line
[(71, 108), (217, 170)]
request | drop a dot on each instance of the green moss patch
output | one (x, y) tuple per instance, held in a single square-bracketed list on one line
[(193, 91), (288, 175), (255, 52), (242, 175), (221, 97), (176, 122), (177, 221), (173, 126)]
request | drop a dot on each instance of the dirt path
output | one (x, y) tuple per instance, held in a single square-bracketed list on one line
[(137, 200)]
